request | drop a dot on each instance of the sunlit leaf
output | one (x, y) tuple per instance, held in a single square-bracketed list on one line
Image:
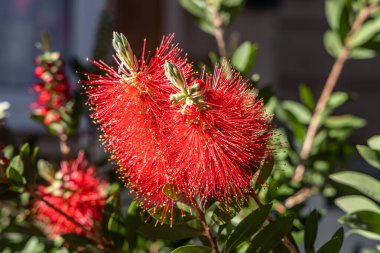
[(359, 181)]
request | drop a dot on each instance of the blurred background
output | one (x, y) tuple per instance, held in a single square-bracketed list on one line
[(291, 52)]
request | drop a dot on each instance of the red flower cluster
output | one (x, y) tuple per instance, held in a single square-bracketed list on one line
[(219, 133), (174, 134), (77, 192), (53, 89), (128, 104)]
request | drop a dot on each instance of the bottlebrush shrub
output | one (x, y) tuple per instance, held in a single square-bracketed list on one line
[(77, 192), (179, 136), (54, 105)]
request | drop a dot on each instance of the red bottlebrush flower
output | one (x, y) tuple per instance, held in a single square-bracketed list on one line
[(127, 104), (219, 136), (53, 91), (77, 192)]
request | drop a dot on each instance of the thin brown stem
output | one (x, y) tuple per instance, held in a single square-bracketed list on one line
[(329, 86), (218, 30), (207, 230), (295, 199), (288, 244)]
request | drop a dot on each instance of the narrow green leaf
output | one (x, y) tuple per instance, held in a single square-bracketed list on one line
[(333, 10), (306, 97), (332, 43), (167, 233), (170, 191), (354, 203), (359, 181), (342, 121), (132, 222), (244, 57), (362, 53), (298, 110), (364, 220), (311, 231), (371, 156), (192, 249), (269, 237), (364, 233), (334, 245), (15, 171), (374, 142), (46, 170), (17, 164), (247, 227), (337, 99), (223, 214), (366, 32)]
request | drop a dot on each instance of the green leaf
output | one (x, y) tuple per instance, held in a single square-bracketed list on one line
[(311, 231), (374, 142), (247, 227), (170, 191), (15, 171), (223, 214), (342, 121), (333, 10), (306, 97), (46, 170), (244, 57), (132, 222), (366, 32), (359, 181), (362, 53), (167, 233), (371, 156), (116, 228), (337, 99), (334, 245), (174, 216), (332, 43), (269, 237), (364, 233), (33, 246), (192, 249), (354, 203), (364, 220), (298, 110)]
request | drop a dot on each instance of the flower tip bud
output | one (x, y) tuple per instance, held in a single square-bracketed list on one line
[(175, 76)]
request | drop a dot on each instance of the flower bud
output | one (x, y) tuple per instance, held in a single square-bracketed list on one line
[(175, 76)]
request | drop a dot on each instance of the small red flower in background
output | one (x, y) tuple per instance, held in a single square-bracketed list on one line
[(53, 89), (77, 192), (219, 133), (127, 104)]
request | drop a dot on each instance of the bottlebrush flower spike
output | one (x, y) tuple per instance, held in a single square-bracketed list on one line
[(128, 104), (77, 192), (53, 104), (219, 134)]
